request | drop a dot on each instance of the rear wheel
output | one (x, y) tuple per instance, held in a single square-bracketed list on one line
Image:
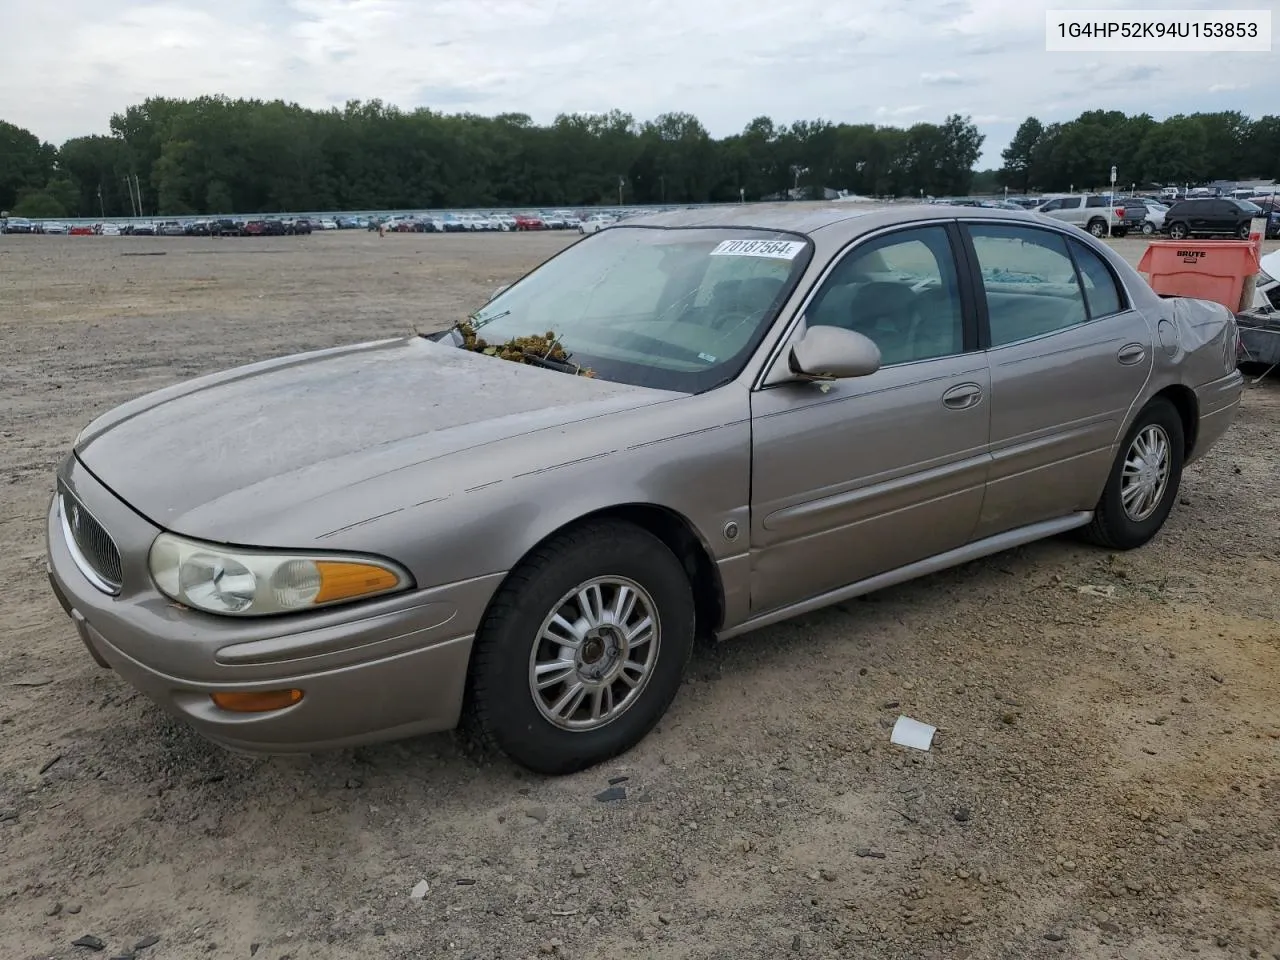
[(1148, 228), (1144, 480), (583, 648)]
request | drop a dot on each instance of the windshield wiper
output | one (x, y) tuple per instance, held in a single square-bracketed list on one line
[(477, 323)]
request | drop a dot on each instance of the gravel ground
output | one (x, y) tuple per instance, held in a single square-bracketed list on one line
[(1104, 783)]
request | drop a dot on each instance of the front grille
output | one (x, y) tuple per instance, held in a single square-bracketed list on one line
[(91, 546)]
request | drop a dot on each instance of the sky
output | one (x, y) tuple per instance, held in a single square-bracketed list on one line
[(67, 65)]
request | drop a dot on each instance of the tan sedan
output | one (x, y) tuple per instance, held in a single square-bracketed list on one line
[(787, 406)]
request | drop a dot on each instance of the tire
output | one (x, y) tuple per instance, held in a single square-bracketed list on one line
[(1178, 231), (502, 707), (1098, 228), (1118, 528), (1148, 228), (1243, 232)]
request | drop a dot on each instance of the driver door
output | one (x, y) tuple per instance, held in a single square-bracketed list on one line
[(876, 472)]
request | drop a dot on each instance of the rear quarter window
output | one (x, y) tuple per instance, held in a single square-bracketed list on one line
[(1102, 291)]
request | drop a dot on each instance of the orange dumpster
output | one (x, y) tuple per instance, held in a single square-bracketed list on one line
[(1208, 270)]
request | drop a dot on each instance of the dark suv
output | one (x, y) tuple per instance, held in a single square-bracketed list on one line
[(1211, 217)]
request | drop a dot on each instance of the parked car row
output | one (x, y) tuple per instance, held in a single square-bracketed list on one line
[(463, 222), (502, 222)]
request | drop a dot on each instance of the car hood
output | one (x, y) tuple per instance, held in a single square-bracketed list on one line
[(220, 456), (1271, 265)]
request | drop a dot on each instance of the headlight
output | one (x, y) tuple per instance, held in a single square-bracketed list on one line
[(254, 583)]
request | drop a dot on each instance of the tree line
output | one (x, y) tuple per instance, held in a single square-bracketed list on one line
[(1185, 149), (218, 155)]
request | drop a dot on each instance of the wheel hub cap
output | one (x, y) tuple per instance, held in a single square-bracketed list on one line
[(594, 653), (1145, 475)]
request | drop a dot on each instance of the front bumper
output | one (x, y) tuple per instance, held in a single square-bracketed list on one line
[(380, 670)]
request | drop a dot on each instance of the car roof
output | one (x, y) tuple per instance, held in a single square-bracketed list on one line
[(810, 218)]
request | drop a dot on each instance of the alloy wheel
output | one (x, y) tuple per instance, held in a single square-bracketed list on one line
[(594, 653)]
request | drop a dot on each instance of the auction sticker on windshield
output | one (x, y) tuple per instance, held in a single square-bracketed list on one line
[(777, 249)]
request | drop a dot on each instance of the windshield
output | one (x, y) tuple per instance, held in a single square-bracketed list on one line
[(674, 309), (1249, 206)]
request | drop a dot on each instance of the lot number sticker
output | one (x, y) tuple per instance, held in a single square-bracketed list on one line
[(777, 249)]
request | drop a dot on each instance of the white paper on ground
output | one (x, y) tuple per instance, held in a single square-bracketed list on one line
[(912, 733)]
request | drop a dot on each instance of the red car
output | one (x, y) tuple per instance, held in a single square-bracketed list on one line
[(81, 230), (526, 222)]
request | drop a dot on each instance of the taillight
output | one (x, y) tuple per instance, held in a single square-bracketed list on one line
[(1120, 212)]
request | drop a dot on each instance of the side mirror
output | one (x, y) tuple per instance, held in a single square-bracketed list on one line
[(495, 293), (833, 353)]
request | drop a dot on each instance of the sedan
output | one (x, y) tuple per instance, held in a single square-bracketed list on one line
[(692, 424), (596, 222)]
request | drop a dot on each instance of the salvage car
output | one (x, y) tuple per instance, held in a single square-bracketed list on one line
[(1260, 320), (694, 423)]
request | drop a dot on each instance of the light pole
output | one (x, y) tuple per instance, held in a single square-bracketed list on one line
[(621, 181)]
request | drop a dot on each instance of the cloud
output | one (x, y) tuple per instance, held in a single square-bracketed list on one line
[(727, 61), (945, 78), (898, 112)]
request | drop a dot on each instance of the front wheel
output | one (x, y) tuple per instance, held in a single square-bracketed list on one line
[(1144, 480), (583, 648), (1179, 231), (1148, 228), (1243, 232), (1098, 228)]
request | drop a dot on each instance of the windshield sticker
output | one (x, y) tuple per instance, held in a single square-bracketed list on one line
[(776, 249), (706, 358)]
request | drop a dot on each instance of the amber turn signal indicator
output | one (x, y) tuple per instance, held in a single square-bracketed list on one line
[(344, 581), (257, 701)]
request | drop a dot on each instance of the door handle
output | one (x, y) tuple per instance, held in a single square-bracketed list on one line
[(962, 396), (1131, 353)]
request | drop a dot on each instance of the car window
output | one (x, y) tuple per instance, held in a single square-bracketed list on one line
[(1030, 282), (654, 307), (902, 290), (1052, 205), (1101, 292), (1096, 202)]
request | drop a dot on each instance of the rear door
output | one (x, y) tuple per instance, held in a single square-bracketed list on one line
[(1068, 358), (860, 476), (1203, 217)]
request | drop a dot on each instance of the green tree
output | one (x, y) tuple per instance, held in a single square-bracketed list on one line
[(214, 154), (1018, 156), (38, 205), (25, 163)]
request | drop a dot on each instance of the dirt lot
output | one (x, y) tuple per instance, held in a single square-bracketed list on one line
[(1105, 782)]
